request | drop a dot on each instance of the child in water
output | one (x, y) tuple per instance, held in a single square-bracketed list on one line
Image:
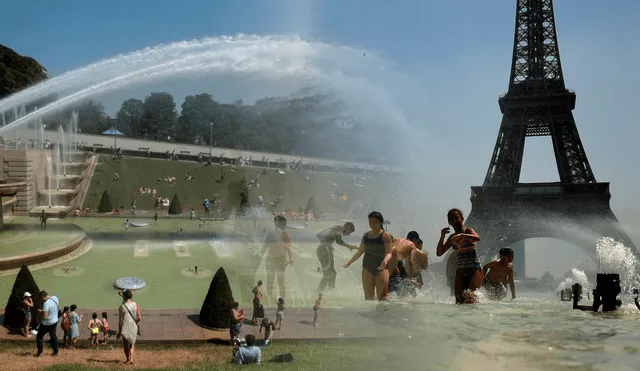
[(497, 274), (468, 276)]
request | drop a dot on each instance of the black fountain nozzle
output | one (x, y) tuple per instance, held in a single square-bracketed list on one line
[(566, 294), (606, 292), (576, 294)]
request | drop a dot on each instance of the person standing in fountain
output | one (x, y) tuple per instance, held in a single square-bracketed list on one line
[(258, 309), (376, 247), (405, 265), (468, 276), (498, 274), (279, 255), (325, 252)]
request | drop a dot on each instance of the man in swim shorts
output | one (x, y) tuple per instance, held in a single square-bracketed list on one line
[(325, 252)]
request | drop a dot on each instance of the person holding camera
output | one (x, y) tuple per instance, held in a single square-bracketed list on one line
[(247, 353)]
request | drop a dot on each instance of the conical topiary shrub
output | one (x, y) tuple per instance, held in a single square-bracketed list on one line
[(175, 207), (105, 205), (216, 309), (311, 206), (14, 312)]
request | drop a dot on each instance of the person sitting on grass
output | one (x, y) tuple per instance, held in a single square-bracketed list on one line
[(248, 354)]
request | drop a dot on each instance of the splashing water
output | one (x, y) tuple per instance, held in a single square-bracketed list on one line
[(577, 276), (49, 176), (364, 83), (614, 257)]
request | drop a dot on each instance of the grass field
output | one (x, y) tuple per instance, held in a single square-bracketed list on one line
[(161, 256), (292, 186), (308, 355)]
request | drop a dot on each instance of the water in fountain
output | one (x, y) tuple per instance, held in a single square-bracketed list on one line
[(57, 164), (614, 257), (41, 130), (49, 176), (63, 150), (577, 276), (74, 129)]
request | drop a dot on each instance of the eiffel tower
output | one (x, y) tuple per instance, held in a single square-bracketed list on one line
[(576, 209)]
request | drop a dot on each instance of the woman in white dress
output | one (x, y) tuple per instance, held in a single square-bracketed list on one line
[(128, 324)]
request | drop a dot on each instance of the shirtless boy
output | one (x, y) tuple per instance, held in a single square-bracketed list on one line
[(405, 264), (497, 274)]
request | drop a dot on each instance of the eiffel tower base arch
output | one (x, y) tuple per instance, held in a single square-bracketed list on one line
[(577, 214)]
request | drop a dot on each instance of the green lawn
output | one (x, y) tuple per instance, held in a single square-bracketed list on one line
[(155, 254), (363, 354), (292, 186), (23, 236)]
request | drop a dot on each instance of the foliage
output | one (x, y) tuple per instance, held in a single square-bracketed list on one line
[(130, 117), (14, 313), (18, 72), (312, 206), (216, 309), (105, 205), (159, 117), (175, 207)]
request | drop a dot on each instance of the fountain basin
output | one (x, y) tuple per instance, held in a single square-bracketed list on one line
[(10, 189)]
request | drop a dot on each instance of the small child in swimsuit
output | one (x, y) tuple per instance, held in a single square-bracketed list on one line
[(316, 308), (279, 312), (498, 274), (106, 331)]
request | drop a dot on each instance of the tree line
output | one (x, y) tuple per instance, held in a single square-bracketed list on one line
[(313, 125)]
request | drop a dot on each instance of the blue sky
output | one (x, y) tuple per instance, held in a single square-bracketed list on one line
[(458, 52)]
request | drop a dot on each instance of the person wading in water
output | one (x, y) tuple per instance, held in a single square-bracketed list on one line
[(325, 252), (376, 247), (469, 275)]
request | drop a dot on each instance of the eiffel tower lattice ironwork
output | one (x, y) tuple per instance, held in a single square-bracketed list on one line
[(576, 209)]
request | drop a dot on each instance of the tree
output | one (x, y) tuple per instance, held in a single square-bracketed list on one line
[(105, 205), (312, 206), (175, 207), (237, 194), (216, 309), (91, 117), (18, 72), (13, 312), (130, 117), (197, 112), (158, 117)]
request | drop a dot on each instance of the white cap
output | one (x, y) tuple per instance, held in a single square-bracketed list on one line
[(27, 294)]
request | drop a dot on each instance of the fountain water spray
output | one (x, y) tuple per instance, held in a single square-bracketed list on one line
[(41, 129), (63, 151), (49, 176), (57, 163), (74, 129), (282, 65), (614, 257)]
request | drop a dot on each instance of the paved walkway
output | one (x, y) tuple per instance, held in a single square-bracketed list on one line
[(134, 144), (180, 325)]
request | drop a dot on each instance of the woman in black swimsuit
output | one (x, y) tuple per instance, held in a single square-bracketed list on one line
[(468, 277), (376, 247)]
